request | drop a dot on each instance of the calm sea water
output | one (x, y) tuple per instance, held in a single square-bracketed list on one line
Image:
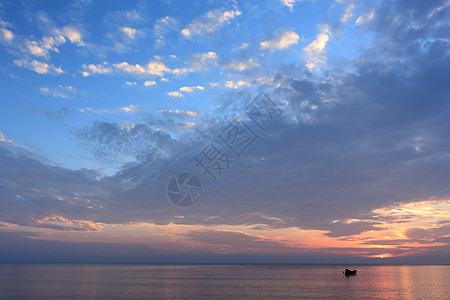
[(70, 281)]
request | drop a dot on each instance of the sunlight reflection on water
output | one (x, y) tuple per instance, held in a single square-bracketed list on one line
[(56, 281)]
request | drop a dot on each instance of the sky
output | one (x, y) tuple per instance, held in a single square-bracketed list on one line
[(277, 131)]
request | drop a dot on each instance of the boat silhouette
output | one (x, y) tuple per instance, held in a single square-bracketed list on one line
[(348, 272)]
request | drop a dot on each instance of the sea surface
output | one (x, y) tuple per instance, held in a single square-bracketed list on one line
[(122, 281)]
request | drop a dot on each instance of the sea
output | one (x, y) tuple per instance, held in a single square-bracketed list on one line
[(201, 281)]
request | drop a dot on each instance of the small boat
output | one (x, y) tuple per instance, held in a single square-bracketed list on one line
[(348, 272)]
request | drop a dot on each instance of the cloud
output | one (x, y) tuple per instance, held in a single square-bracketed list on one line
[(150, 83), (199, 62), (96, 69), (73, 34), (181, 71), (54, 115), (42, 190), (60, 91), (182, 113), (38, 67), (157, 68), (189, 89), (130, 109), (282, 40), (339, 229), (348, 13), (153, 67), (130, 83), (126, 109), (6, 35), (162, 27), (209, 22), (61, 223), (97, 110), (35, 49), (339, 171), (314, 52), (366, 17), (175, 94), (290, 3), (203, 61), (123, 140), (134, 69), (130, 32), (236, 84), (3, 138), (54, 37), (242, 46), (242, 65)]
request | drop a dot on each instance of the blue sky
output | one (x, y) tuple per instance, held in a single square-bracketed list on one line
[(103, 102), (128, 61)]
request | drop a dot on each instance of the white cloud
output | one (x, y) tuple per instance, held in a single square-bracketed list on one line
[(209, 22), (175, 94), (96, 69), (162, 27), (315, 51), (242, 46), (129, 109), (290, 3), (185, 113), (189, 89), (242, 65), (153, 68), (438, 9), (97, 110), (188, 125), (282, 40), (126, 109), (348, 13), (133, 15), (149, 83), (181, 71), (366, 17), (3, 138), (236, 84), (38, 67), (52, 41), (34, 48), (267, 80), (130, 32), (60, 91), (134, 69), (157, 68), (203, 61), (131, 83), (6, 34), (73, 35)]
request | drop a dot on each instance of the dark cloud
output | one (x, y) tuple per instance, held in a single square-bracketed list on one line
[(112, 140), (32, 189), (58, 115), (341, 229), (428, 234)]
